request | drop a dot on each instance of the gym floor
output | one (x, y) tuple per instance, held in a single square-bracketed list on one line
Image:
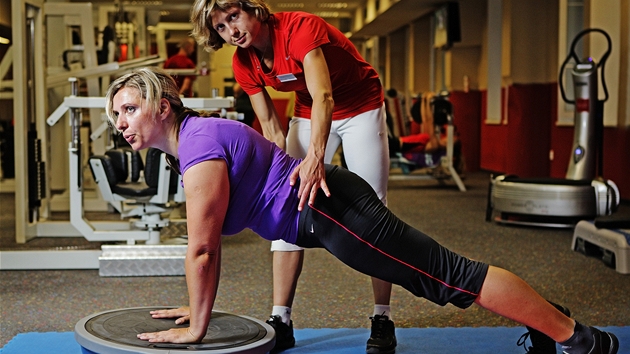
[(331, 295)]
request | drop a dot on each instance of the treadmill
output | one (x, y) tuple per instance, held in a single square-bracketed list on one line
[(562, 202)]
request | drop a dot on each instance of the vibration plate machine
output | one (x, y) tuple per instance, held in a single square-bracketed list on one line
[(557, 202)]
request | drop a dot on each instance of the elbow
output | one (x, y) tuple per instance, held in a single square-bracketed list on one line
[(204, 261), (204, 253), (330, 101), (208, 251), (327, 100)]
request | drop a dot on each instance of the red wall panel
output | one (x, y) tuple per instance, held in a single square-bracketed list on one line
[(617, 158), (467, 120), (529, 116)]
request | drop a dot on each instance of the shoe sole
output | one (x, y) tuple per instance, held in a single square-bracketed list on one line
[(284, 346), (614, 343), (379, 351)]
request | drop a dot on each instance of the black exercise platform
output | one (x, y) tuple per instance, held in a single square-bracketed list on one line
[(115, 332)]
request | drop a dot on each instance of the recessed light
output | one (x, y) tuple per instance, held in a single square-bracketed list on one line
[(333, 5), (290, 5)]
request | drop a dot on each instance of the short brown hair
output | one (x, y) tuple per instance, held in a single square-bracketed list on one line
[(203, 31)]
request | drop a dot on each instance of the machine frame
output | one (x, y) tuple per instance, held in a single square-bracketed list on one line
[(553, 202), (30, 87)]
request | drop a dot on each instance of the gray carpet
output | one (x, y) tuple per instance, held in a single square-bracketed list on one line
[(330, 295)]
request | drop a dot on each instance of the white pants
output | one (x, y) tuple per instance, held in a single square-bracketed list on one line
[(364, 142)]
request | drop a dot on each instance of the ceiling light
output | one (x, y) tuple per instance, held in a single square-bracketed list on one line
[(291, 5), (328, 14), (4, 40), (144, 3), (333, 5)]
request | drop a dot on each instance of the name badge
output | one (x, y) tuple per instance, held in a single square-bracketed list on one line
[(286, 77)]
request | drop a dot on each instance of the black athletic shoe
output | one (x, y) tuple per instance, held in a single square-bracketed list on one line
[(603, 343), (541, 343), (284, 334), (383, 337)]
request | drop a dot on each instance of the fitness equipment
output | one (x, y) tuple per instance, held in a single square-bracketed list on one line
[(31, 96), (141, 192), (114, 332), (34, 199), (608, 240), (554, 202), (440, 165), (137, 190), (6, 86), (97, 231)]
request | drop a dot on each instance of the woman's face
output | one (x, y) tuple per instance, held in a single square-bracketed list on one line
[(139, 128), (236, 27)]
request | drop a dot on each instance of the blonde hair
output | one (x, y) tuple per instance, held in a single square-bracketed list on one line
[(153, 84), (201, 11)]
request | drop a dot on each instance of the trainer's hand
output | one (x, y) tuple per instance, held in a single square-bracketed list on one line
[(312, 177), (173, 335), (182, 314)]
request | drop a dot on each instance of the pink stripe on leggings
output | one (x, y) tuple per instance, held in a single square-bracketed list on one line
[(392, 257)]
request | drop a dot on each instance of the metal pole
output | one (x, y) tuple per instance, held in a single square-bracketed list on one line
[(75, 124)]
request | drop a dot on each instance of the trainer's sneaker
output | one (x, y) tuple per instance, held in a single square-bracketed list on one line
[(284, 334), (382, 337), (541, 343), (604, 343)]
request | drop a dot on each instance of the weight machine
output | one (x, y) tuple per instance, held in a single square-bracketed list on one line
[(440, 165), (33, 160), (97, 231)]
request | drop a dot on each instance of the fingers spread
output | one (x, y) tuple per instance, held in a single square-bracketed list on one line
[(171, 313), (173, 335)]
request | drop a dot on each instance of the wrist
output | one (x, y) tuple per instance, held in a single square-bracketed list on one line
[(317, 153), (191, 333)]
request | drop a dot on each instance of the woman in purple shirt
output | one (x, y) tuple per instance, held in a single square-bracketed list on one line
[(236, 179)]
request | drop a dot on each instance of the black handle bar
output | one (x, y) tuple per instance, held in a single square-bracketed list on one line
[(573, 55)]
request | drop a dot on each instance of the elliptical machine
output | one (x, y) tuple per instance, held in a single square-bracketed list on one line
[(556, 202)]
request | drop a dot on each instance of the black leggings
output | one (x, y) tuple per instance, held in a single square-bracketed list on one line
[(355, 226)]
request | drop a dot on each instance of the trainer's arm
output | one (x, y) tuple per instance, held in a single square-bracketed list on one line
[(268, 118), (311, 170), (207, 194)]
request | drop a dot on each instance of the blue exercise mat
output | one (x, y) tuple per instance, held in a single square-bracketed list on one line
[(478, 340)]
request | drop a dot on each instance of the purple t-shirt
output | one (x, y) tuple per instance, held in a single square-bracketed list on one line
[(260, 195)]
